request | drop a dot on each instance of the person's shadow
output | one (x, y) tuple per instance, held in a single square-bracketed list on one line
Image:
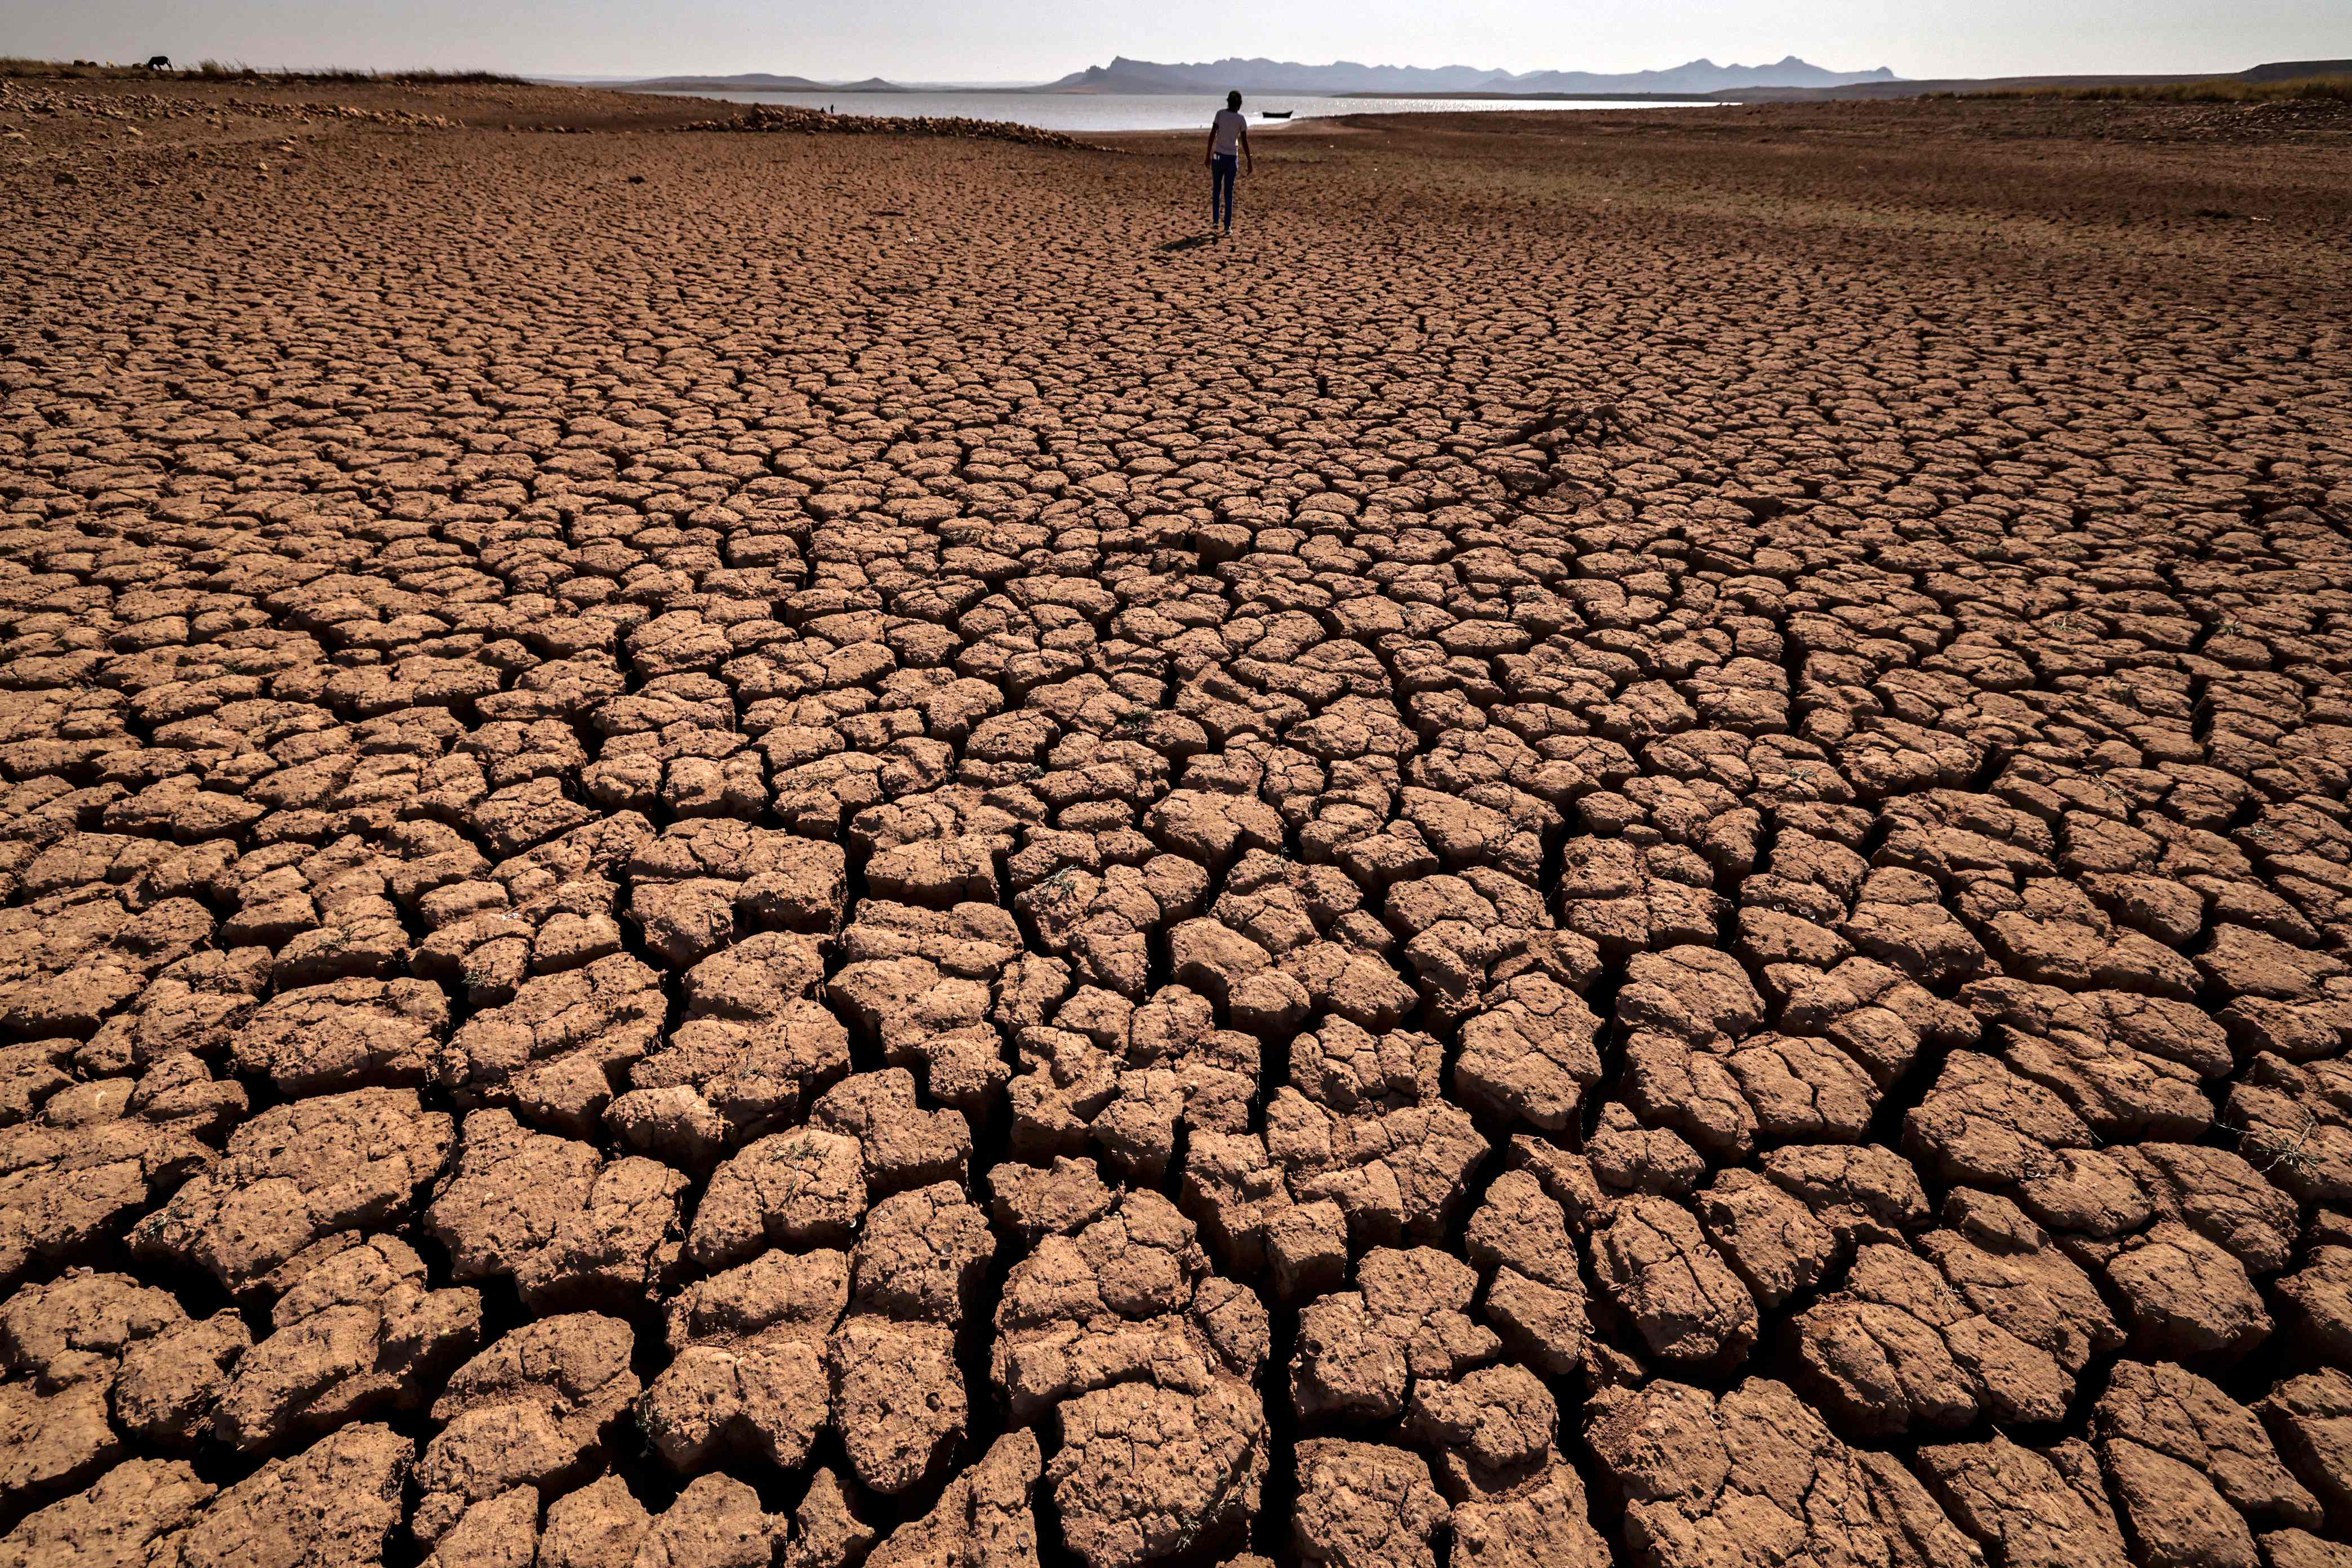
[(1191, 242)]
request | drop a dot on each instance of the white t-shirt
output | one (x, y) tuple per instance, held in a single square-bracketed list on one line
[(1225, 132)]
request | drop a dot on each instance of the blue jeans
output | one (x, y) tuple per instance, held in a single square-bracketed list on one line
[(1222, 169)]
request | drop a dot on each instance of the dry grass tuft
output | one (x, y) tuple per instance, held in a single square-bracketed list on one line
[(225, 70), (2222, 90)]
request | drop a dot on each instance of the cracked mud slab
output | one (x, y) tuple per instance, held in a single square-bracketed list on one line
[(1628, 843)]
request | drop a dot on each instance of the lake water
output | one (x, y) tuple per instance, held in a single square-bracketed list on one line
[(1101, 112)]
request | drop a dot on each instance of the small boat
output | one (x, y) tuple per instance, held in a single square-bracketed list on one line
[(1274, 114)]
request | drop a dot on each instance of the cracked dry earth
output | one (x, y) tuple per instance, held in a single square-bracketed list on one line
[(1618, 846)]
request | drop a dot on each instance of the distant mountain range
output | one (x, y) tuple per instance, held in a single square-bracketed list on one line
[(1791, 80), (1124, 75), (1341, 76)]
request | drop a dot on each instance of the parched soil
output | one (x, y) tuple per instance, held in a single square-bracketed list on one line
[(1625, 843)]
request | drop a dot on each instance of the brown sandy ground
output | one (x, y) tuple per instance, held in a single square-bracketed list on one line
[(1627, 842)]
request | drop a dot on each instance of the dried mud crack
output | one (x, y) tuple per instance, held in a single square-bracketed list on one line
[(1625, 844)]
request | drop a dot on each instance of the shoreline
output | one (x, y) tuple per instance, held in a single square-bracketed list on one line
[(979, 106)]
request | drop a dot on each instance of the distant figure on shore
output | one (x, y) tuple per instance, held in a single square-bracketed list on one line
[(1228, 145)]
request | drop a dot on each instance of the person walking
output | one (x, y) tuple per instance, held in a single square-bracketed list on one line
[(1228, 145)]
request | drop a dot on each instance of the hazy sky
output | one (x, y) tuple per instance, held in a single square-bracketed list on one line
[(979, 40)]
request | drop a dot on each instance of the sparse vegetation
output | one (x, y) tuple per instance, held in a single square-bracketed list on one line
[(2270, 1151), (2222, 90), (405, 78), (223, 70)]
